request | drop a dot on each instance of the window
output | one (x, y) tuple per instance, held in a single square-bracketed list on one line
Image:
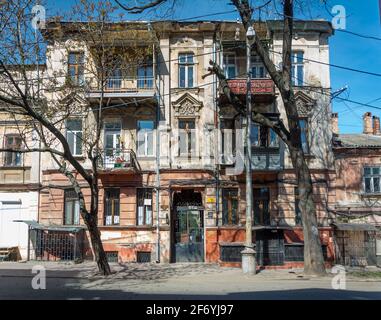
[(145, 75), (229, 206), (303, 124), (71, 210), (76, 68), (186, 70), (257, 68), (297, 68), (112, 204), (263, 137), (187, 138), (145, 138), (230, 66), (298, 213), (13, 142), (74, 136), (261, 206), (114, 80), (228, 139), (372, 178), (144, 203), (112, 142)]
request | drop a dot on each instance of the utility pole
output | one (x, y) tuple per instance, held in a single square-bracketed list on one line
[(248, 254)]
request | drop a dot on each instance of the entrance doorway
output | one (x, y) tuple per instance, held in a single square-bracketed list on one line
[(187, 227)]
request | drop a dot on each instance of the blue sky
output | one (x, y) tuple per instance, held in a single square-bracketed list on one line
[(346, 50)]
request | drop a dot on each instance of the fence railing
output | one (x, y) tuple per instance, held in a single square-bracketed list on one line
[(117, 158), (125, 84)]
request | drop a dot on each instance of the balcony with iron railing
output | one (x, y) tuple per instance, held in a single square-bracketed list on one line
[(235, 67), (119, 159), (122, 87)]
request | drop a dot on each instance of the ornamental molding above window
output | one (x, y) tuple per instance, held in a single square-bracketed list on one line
[(187, 106), (304, 104), (185, 42), (73, 99)]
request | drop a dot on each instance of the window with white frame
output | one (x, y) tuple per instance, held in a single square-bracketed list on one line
[(145, 138), (297, 68), (74, 136), (111, 206), (144, 206), (230, 65), (258, 70), (187, 137), (372, 179), (186, 70)]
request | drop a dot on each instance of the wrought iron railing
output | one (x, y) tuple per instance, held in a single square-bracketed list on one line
[(119, 84), (117, 158)]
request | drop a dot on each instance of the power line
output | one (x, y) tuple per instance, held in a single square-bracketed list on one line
[(335, 65), (341, 99), (359, 35), (129, 66)]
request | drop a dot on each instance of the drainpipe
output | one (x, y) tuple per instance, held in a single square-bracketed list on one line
[(157, 85), (217, 156), (158, 99)]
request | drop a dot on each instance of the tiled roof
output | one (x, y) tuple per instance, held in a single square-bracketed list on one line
[(357, 140)]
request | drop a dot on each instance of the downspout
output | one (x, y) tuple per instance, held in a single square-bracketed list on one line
[(157, 85), (217, 156)]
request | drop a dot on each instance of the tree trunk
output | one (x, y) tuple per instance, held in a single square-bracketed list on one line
[(96, 243), (313, 253)]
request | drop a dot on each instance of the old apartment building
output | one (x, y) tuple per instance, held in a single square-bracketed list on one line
[(357, 207), (171, 175)]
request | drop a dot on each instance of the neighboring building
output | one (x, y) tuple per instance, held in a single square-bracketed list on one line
[(358, 192), (19, 182), (200, 212)]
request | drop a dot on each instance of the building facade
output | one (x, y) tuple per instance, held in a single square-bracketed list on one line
[(20, 179), (357, 207), (172, 186)]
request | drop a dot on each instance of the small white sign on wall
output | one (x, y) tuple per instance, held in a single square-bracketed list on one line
[(147, 202)]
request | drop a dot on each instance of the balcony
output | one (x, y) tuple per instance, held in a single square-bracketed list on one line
[(123, 87), (263, 86), (120, 159), (267, 159)]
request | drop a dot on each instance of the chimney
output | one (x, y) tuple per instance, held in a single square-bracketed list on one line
[(368, 127), (335, 123), (376, 126)]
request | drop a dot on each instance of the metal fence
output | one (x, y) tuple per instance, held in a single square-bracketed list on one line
[(356, 249), (267, 256), (50, 245)]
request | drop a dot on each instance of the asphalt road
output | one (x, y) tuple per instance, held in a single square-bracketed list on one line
[(199, 282)]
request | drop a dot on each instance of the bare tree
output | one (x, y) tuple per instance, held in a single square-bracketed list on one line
[(290, 133), (41, 101)]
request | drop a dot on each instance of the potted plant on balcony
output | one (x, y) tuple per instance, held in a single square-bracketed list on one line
[(118, 162)]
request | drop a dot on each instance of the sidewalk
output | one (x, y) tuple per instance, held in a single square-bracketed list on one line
[(153, 271), (173, 282)]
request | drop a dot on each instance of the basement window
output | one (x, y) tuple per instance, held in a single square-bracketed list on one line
[(143, 257), (112, 256)]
